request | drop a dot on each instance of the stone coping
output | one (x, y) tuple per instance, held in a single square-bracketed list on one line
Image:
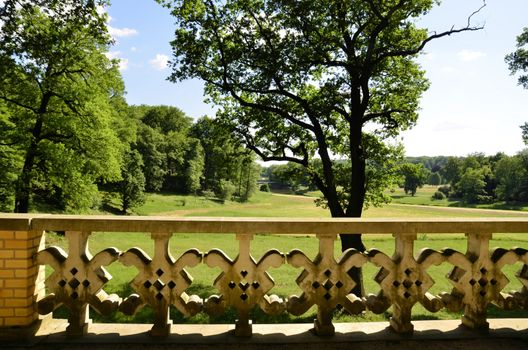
[(107, 223)]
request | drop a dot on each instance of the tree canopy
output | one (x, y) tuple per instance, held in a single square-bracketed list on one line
[(414, 176), (58, 87), (518, 60), (312, 81)]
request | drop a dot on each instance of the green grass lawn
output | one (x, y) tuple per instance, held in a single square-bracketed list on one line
[(264, 204), (424, 195), (272, 205)]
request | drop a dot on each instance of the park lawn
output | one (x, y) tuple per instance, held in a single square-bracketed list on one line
[(424, 195), (264, 204)]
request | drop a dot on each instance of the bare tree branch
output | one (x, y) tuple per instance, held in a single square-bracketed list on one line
[(413, 51)]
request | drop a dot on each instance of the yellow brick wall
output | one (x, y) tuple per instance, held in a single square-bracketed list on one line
[(21, 280)]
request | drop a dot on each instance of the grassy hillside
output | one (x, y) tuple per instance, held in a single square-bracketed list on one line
[(264, 204)]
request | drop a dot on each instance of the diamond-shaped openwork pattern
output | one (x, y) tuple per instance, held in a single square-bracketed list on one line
[(77, 280), (161, 281)]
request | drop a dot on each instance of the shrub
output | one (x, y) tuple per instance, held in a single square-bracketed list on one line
[(438, 195), (445, 190), (225, 190), (208, 194), (264, 188)]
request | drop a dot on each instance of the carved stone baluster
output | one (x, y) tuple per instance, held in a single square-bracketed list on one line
[(325, 282), (477, 293), (501, 257), (323, 323), (77, 281), (407, 277), (521, 297), (403, 281), (161, 282), (244, 283), (243, 325)]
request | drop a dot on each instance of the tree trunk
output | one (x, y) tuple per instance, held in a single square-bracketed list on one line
[(356, 201), (23, 186)]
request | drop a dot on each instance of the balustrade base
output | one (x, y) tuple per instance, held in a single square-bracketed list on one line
[(243, 329), (221, 336), (323, 329), (402, 328), (479, 324)]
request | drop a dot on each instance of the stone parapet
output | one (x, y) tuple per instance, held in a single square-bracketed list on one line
[(78, 277)]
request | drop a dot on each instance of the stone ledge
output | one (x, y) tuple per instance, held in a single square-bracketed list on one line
[(52, 334)]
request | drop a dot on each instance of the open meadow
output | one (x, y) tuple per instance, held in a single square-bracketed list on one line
[(275, 205)]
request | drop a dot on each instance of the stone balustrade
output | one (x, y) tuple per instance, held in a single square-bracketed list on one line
[(78, 275)]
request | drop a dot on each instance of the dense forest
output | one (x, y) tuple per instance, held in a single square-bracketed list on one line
[(69, 142), (156, 149)]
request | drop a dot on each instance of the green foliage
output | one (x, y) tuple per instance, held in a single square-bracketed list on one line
[(524, 129), (264, 188), (150, 144), (434, 179), (132, 186), (518, 60), (512, 179), (225, 159), (247, 180), (452, 170), (291, 175), (472, 185), (300, 81), (58, 87), (173, 159), (438, 195), (225, 190), (446, 190), (414, 175), (193, 164)]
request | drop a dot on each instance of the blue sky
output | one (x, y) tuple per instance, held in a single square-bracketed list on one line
[(473, 104)]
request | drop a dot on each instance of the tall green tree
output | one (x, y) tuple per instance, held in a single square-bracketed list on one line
[(511, 174), (57, 85), (131, 188), (224, 155), (472, 185), (414, 176), (173, 159), (311, 79), (452, 170)]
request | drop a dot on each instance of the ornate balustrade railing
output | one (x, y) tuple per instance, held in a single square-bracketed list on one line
[(78, 278)]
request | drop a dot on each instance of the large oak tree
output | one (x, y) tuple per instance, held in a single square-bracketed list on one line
[(327, 82)]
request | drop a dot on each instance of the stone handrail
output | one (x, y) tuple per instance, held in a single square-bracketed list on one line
[(79, 278)]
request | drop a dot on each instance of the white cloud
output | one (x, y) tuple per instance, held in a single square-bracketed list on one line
[(121, 32), (469, 55), (114, 55), (133, 49), (160, 62)]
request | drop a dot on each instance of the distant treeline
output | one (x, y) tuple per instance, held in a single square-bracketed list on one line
[(478, 178), (475, 178)]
